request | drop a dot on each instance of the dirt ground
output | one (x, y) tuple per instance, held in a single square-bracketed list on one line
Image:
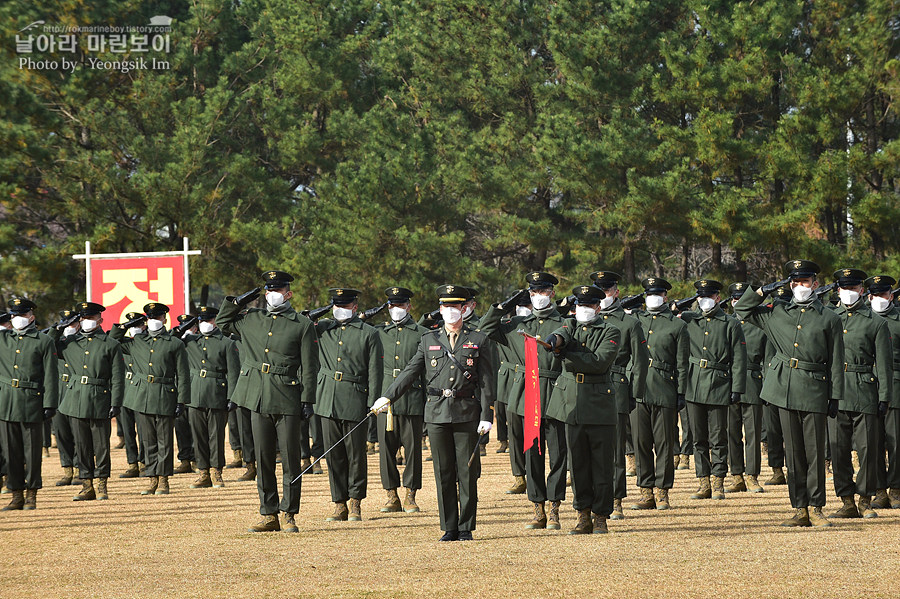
[(193, 543)]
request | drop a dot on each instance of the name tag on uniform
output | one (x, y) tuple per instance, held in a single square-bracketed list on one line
[(434, 348)]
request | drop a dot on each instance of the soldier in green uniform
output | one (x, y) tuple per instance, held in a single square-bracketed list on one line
[(184, 437), (542, 484), (888, 493), (774, 439), (456, 361), (805, 379), (94, 382), (350, 376), (215, 366), (28, 397), (868, 379), (4, 325), (584, 398), (62, 427), (403, 423), (134, 446), (279, 362), (161, 382), (717, 378), (472, 320), (653, 422), (745, 418), (632, 357)]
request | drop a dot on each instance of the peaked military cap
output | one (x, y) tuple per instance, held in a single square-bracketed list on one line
[(849, 277), (132, 315), (276, 279), (155, 309), (540, 280), (736, 290), (604, 279), (473, 293), (5, 317), (655, 285), (880, 284), (89, 308), (588, 294), (207, 313), (798, 269), (398, 295), (182, 318), (68, 313), (20, 305), (707, 287), (453, 294), (342, 296)]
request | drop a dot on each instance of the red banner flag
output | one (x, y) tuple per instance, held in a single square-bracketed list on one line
[(532, 396), (126, 284)]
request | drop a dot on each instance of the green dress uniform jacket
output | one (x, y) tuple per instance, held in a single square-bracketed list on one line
[(215, 366), (669, 347), (892, 317), (161, 377), (759, 352), (584, 393), (94, 376), (808, 366), (868, 358), (279, 359), (718, 362), (351, 368), (629, 371), (467, 399), (400, 341), (28, 375)]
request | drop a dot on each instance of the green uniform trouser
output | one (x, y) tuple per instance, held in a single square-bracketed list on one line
[(848, 430), (502, 425), (686, 447), (282, 430), (804, 444), (245, 426), (709, 427), (234, 431), (65, 440), (654, 428), (744, 450), (347, 468), (620, 489), (889, 474), (553, 449), (92, 446), (159, 443), (311, 444), (408, 434), (208, 432), (22, 444), (516, 449), (451, 447), (774, 437), (134, 447), (184, 438), (592, 455)]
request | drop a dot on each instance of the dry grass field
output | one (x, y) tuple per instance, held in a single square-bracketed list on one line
[(193, 543)]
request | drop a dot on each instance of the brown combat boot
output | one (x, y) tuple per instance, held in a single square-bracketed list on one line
[(217, 481), (553, 516), (685, 463), (131, 472), (705, 491), (183, 467), (120, 444), (141, 467), (828, 469), (599, 524), (617, 513), (647, 501), (777, 477), (238, 460), (162, 486), (393, 502), (269, 523), (203, 481), (87, 492), (539, 520), (288, 524), (17, 502), (370, 448), (881, 500), (340, 513), (409, 503), (737, 484), (102, 493), (154, 484), (847, 510), (304, 464), (865, 507), (504, 447), (518, 486), (630, 469), (30, 499), (676, 460), (317, 468), (662, 499), (355, 508), (584, 526), (817, 518), (66, 480), (753, 484), (398, 459), (482, 449), (250, 474), (800, 518), (894, 496), (718, 487)]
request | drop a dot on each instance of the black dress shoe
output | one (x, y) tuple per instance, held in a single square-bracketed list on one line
[(452, 535), (465, 535)]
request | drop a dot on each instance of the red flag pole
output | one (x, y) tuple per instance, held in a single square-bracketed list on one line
[(532, 395)]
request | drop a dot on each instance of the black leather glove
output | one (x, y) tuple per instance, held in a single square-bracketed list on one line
[(138, 320), (114, 411), (632, 404), (246, 298), (49, 413), (64, 322), (882, 408), (554, 341), (509, 304), (372, 311), (832, 408), (306, 410), (681, 402), (735, 398), (179, 409), (231, 406), (770, 287)]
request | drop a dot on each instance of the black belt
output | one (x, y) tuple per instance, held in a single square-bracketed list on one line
[(149, 378), (660, 365), (754, 367), (857, 367), (208, 374), (393, 373), (448, 393), (618, 369), (266, 368), (543, 373), (343, 376), (19, 383), (86, 380), (589, 379), (802, 365), (704, 363)]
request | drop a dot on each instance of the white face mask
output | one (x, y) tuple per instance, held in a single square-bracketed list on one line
[(155, 325), (879, 304), (523, 310), (607, 301), (655, 302), (274, 298), (20, 322), (451, 315), (134, 331), (540, 301), (584, 313), (342, 313), (466, 311), (69, 331), (397, 314), (848, 296), (706, 304), (206, 327), (802, 293), (88, 325)]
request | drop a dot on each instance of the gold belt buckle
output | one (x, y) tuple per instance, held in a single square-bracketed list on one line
[(128, 375), (84, 380), (579, 377), (338, 375), (703, 362), (651, 363), (65, 378), (845, 367), (203, 374), (265, 368), (396, 372), (15, 383), (150, 378), (794, 363)]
